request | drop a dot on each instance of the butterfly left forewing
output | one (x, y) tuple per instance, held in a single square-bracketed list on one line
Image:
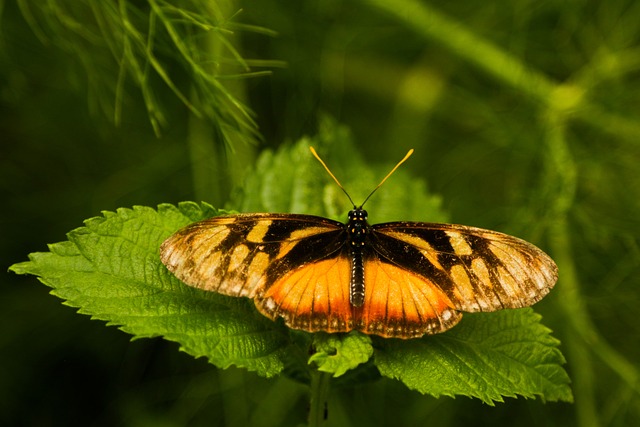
[(479, 270), (238, 255)]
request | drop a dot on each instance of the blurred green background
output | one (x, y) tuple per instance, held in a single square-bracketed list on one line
[(525, 117)]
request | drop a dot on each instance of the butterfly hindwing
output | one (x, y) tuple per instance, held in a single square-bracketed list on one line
[(478, 270), (398, 303), (401, 303), (312, 296)]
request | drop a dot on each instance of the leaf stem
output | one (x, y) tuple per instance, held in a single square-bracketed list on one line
[(320, 385)]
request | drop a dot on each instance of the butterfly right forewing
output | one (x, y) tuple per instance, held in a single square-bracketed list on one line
[(479, 270)]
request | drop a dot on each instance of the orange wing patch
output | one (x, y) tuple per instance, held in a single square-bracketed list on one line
[(401, 304), (314, 297)]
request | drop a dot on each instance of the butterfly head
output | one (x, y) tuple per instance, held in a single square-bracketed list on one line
[(357, 214), (357, 227)]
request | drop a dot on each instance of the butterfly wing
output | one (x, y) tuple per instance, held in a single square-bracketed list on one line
[(476, 269), (312, 296), (400, 302), (240, 255)]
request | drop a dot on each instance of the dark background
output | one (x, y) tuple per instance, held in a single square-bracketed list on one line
[(545, 145)]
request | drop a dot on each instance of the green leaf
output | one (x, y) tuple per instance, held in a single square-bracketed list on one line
[(339, 353), (111, 270), (487, 355)]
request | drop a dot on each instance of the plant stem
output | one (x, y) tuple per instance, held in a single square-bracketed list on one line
[(218, 145), (320, 385)]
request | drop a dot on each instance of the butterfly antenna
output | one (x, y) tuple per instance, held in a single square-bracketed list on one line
[(409, 153), (313, 151)]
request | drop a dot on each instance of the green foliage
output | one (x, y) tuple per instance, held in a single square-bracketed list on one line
[(119, 42), (508, 355), (336, 353), (111, 270)]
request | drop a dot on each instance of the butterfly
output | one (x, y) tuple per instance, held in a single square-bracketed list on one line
[(396, 279)]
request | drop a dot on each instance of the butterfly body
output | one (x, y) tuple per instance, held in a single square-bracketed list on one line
[(399, 279), (357, 230)]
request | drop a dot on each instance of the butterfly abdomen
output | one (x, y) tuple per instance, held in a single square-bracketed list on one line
[(356, 291)]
